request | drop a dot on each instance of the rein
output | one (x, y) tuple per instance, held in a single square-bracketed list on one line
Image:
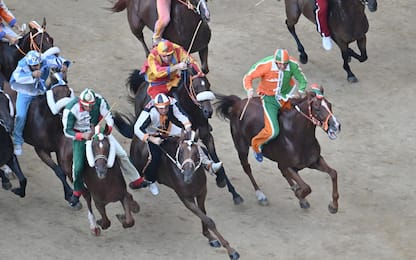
[(33, 45), (314, 120), (175, 160)]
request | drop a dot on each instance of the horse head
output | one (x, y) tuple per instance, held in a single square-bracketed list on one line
[(199, 91), (6, 112), (36, 38), (187, 155), (318, 110), (372, 5), (201, 8), (100, 154)]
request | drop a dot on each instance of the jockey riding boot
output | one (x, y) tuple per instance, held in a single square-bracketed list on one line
[(18, 149), (258, 156), (326, 42), (139, 183), (154, 189)]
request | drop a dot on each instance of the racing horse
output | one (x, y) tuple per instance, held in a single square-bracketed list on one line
[(184, 22), (194, 96), (6, 149), (347, 22), (35, 39), (105, 183), (296, 146), (180, 169)]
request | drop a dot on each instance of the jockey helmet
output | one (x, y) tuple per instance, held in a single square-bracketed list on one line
[(317, 90), (161, 101), (165, 48), (281, 56), (33, 58), (87, 97)]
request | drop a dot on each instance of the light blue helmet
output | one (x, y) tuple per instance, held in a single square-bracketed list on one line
[(33, 58)]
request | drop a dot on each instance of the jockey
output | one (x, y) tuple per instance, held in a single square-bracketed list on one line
[(276, 86), (79, 118), (321, 17), (29, 80), (7, 17), (159, 120), (164, 65)]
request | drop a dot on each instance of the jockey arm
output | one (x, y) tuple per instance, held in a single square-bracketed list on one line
[(106, 114), (256, 71), (300, 77), (181, 117)]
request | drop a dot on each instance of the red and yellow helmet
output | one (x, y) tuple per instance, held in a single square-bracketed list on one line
[(281, 56), (165, 48)]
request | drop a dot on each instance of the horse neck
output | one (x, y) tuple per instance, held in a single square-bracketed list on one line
[(295, 123)]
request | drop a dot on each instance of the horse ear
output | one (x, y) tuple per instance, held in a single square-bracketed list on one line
[(44, 23), (321, 88)]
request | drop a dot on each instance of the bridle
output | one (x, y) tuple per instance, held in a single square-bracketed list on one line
[(33, 45), (323, 124), (176, 160)]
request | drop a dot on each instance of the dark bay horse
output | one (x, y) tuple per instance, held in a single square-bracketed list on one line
[(6, 148), (181, 28), (194, 97), (35, 39), (105, 184), (346, 20), (44, 131), (180, 170), (296, 146)]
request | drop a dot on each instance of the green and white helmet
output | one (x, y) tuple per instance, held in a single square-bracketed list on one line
[(87, 97)]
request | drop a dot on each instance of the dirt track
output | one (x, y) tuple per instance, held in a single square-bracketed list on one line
[(373, 155)]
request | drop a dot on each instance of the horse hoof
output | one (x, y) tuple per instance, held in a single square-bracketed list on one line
[(103, 225), (6, 185), (238, 200), (303, 58), (332, 209), (352, 79), (235, 255), (304, 204), (122, 219), (221, 182), (263, 202), (96, 231), (18, 191), (77, 207), (215, 243)]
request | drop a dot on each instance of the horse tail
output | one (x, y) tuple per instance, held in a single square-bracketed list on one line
[(135, 81), (119, 6), (124, 124), (224, 105)]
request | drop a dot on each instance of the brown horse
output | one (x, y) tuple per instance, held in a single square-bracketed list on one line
[(35, 39), (195, 97), (181, 28), (6, 148), (105, 183), (346, 20), (180, 170), (296, 146)]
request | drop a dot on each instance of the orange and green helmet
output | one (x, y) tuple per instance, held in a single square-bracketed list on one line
[(281, 56), (165, 48)]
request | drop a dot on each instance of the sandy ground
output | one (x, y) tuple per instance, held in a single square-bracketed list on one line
[(373, 155)]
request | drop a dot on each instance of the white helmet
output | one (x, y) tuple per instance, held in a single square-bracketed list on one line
[(161, 101), (33, 58), (87, 97)]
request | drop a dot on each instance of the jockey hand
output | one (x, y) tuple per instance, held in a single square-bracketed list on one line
[(188, 129), (250, 93), (64, 68), (155, 140), (36, 73), (180, 66)]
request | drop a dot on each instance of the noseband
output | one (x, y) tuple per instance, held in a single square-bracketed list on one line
[(323, 124), (176, 161)]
